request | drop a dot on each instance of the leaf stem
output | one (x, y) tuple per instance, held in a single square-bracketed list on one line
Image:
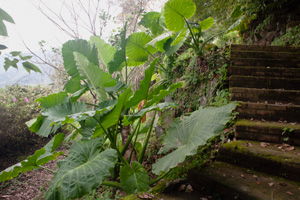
[(147, 140), (159, 178), (112, 184), (77, 129), (45, 168), (191, 31)]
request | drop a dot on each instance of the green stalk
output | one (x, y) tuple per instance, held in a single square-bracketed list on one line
[(195, 41), (112, 184), (133, 145), (159, 178), (76, 128), (147, 140), (45, 168), (130, 138)]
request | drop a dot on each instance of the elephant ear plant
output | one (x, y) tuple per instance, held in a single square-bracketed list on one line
[(100, 155)]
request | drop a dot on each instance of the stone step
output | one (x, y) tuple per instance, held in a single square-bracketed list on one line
[(266, 62), (266, 131), (263, 48), (264, 71), (274, 159), (265, 55), (272, 96), (269, 112), (232, 182), (264, 82)]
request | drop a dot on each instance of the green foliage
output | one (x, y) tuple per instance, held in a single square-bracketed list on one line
[(86, 162), (290, 38), (185, 136), (4, 16)]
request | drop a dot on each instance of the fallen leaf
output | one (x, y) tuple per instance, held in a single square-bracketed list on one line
[(264, 144), (248, 144), (234, 140), (242, 175), (270, 184), (181, 188), (292, 148), (146, 196), (203, 198), (290, 193), (293, 123), (189, 188), (263, 120), (251, 119), (282, 184)]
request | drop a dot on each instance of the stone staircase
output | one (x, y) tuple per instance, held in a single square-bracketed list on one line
[(264, 162)]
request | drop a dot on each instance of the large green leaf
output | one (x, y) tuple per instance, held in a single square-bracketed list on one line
[(187, 135), (112, 117), (82, 171), (142, 92), (42, 126), (40, 157), (105, 51), (136, 48), (80, 46), (134, 178), (175, 13), (52, 99), (159, 107), (4, 16), (157, 97), (160, 38), (96, 76), (73, 85), (151, 20), (120, 56), (182, 36), (206, 24)]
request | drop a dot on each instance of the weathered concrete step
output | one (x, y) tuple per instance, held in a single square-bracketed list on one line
[(272, 96), (264, 82), (264, 71), (264, 48), (266, 62), (273, 132), (232, 182), (269, 159), (265, 55), (269, 112)]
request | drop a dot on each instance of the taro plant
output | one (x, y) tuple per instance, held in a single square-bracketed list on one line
[(107, 129)]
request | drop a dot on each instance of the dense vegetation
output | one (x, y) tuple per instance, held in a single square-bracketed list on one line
[(186, 55)]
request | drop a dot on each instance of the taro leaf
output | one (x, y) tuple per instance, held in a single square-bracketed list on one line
[(8, 63), (73, 85), (30, 67), (142, 93), (4, 16), (65, 112), (156, 98), (79, 93), (182, 36), (134, 178), (206, 24), (171, 49), (42, 126), (115, 88), (82, 47), (105, 51), (40, 157), (160, 38), (96, 76), (120, 56), (112, 117), (175, 13), (159, 107), (237, 12), (184, 137), (136, 48), (151, 21), (52, 100), (82, 171)]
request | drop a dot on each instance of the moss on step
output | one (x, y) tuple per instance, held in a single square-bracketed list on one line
[(276, 125)]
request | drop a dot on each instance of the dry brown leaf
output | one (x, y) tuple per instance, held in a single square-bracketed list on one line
[(146, 196), (181, 188), (189, 188), (248, 144), (242, 175), (264, 144), (263, 120), (291, 148), (290, 193), (270, 184), (282, 184)]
